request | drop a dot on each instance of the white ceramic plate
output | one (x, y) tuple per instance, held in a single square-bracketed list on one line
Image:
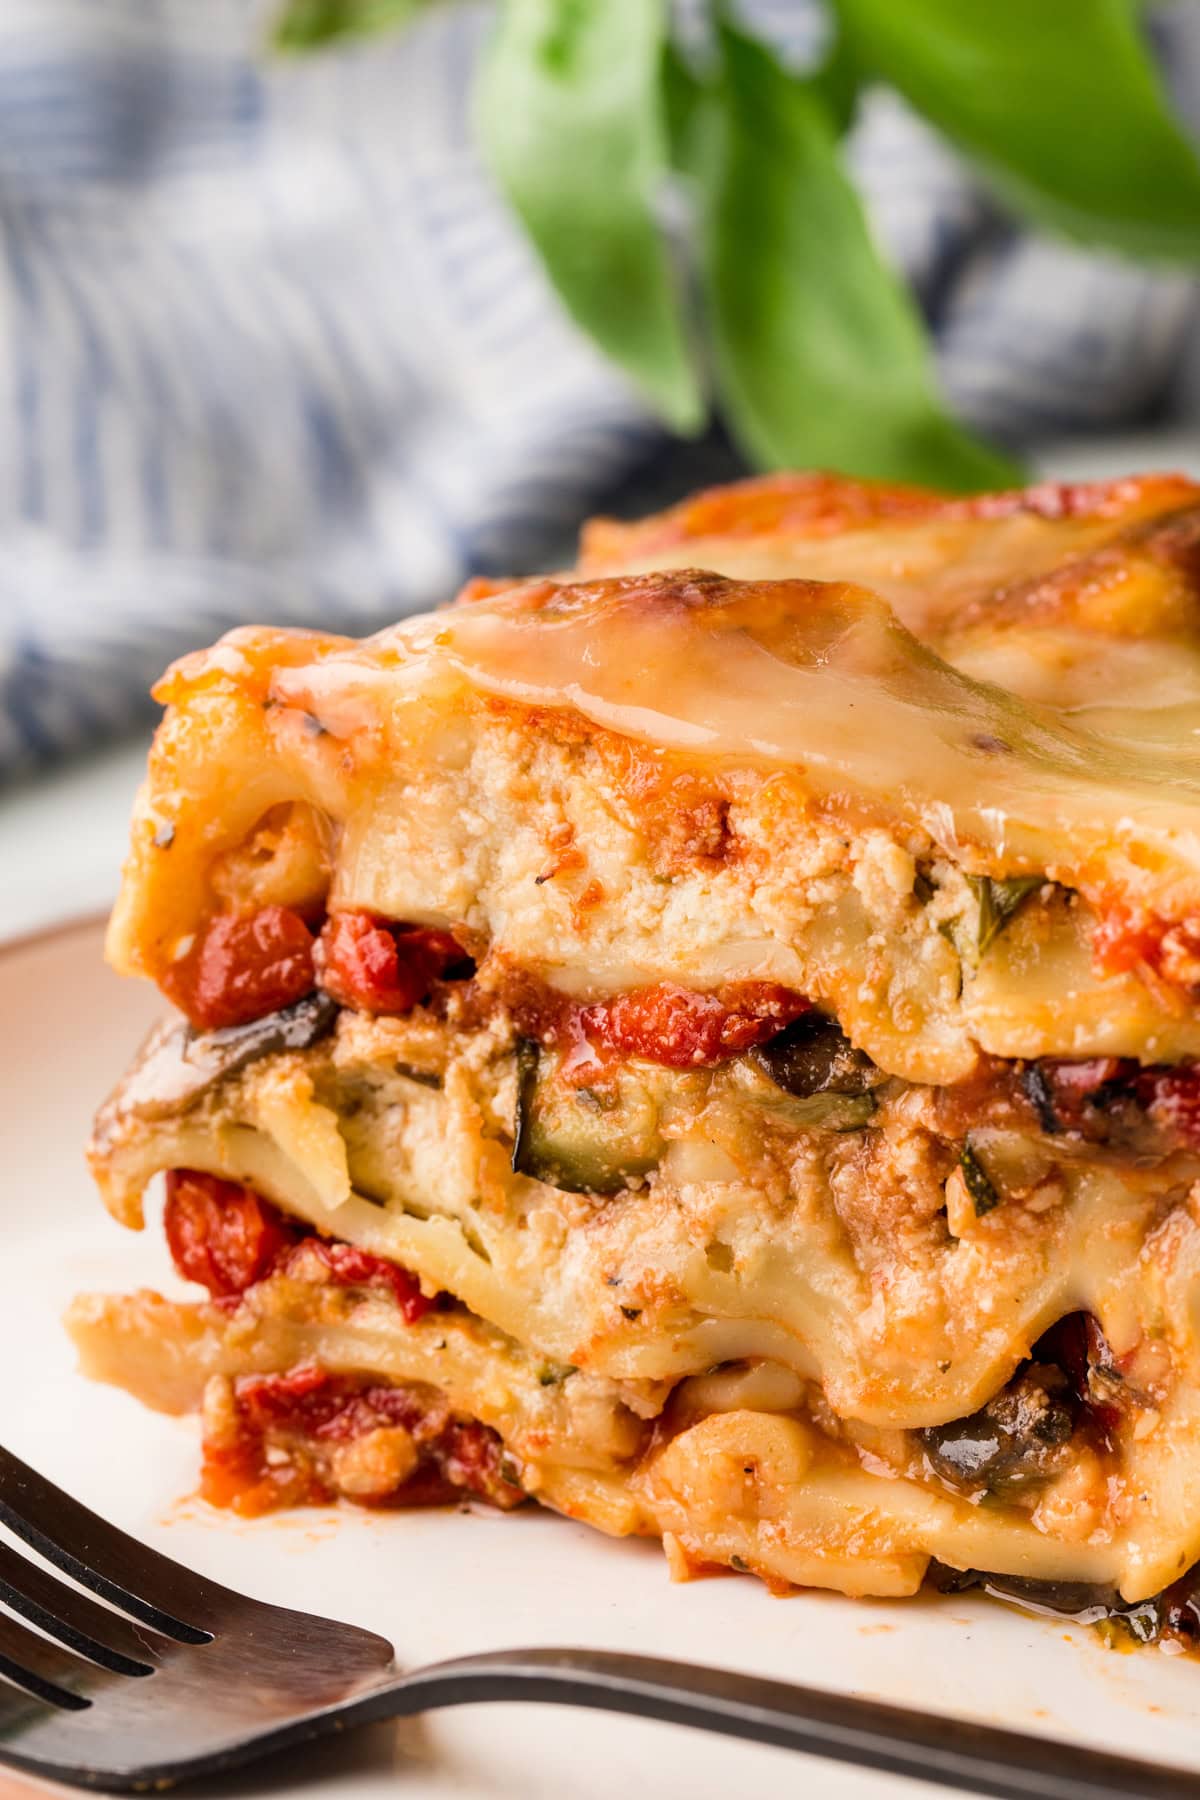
[(438, 1583)]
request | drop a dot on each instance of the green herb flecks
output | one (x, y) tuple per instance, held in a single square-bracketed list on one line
[(979, 1183), (999, 902), (552, 1374), (571, 117)]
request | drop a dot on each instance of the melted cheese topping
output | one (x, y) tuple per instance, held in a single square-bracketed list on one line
[(820, 679), (1077, 597), (443, 765)]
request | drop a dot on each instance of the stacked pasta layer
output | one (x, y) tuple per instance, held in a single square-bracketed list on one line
[(708, 1042)]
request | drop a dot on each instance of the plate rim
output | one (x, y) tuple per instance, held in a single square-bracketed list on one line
[(34, 936)]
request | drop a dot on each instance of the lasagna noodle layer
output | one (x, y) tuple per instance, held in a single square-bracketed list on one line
[(929, 765), (742, 1485), (678, 777), (757, 1238)]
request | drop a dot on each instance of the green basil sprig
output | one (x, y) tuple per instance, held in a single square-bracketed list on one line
[(590, 116), (1059, 101), (819, 355), (571, 120), (306, 24)]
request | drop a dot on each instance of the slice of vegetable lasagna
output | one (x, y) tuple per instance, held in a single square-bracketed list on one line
[(709, 1043)]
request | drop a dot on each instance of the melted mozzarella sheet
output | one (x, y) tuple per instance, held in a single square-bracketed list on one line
[(821, 679)]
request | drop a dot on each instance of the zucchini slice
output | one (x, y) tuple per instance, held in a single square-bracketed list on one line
[(584, 1140), (826, 1112)]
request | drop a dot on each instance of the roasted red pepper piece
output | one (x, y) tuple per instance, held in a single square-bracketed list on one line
[(242, 966), (685, 1029), (221, 1234), (375, 966)]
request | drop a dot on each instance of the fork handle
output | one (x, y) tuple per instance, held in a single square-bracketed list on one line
[(980, 1759)]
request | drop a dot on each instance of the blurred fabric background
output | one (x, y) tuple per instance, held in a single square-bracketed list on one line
[(271, 348)]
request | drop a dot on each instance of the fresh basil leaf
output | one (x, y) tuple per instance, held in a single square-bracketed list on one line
[(839, 77), (681, 96), (998, 902), (819, 355), (1058, 99), (571, 120), (309, 24)]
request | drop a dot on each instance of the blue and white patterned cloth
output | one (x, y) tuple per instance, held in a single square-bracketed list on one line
[(271, 348)]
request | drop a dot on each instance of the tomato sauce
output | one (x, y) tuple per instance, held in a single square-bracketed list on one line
[(1129, 939), (288, 1428), (241, 967), (345, 1265), (1124, 939), (684, 1029), (675, 1026), (1172, 1097), (279, 1453)]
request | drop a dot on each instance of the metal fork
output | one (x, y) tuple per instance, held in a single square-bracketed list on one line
[(188, 1678)]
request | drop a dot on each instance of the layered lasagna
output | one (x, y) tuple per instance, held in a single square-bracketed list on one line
[(708, 1043)]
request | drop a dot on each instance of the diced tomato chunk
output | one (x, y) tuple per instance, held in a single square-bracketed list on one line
[(301, 1396), (221, 1234), (227, 1237), (470, 1457), (241, 966), (288, 1429), (310, 1400), (348, 1266), (375, 966), (1124, 938), (685, 1029), (1130, 938)]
